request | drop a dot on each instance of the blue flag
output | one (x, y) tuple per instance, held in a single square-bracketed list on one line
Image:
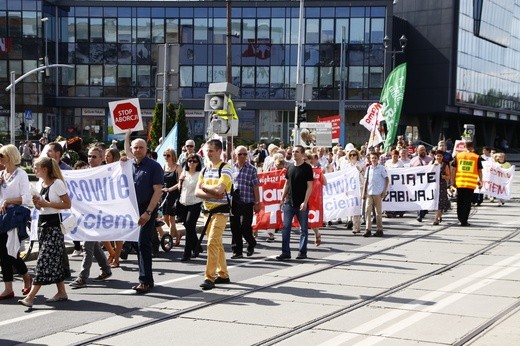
[(169, 142)]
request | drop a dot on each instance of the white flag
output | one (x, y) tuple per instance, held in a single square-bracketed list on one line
[(371, 121)]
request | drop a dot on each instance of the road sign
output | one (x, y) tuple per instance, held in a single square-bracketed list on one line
[(126, 115), (28, 115)]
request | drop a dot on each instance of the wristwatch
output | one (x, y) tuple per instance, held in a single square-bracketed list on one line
[(149, 212)]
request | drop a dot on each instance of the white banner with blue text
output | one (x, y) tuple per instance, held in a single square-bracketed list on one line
[(342, 195), (104, 203)]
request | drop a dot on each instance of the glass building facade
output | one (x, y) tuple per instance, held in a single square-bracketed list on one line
[(488, 54), (113, 49), (463, 68)]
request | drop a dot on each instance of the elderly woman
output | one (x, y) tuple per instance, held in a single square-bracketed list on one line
[(500, 161), (14, 191), (52, 199)]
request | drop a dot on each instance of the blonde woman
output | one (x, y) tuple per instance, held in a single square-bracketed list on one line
[(171, 193), (14, 191), (53, 197)]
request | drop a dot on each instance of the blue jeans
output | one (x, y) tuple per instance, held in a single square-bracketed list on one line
[(144, 252), (303, 218)]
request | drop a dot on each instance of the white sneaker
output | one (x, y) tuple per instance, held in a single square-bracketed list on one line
[(77, 253)]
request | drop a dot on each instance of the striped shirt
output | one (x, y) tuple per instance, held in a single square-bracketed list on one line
[(211, 178)]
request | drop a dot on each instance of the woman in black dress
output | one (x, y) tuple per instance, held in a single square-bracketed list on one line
[(52, 199), (444, 202), (172, 172)]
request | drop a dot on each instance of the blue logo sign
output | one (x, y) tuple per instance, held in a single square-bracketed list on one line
[(28, 114)]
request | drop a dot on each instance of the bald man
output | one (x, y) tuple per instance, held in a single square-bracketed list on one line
[(148, 182)]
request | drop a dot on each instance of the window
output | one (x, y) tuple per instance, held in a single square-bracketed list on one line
[(110, 30), (143, 30), (82, 29), (96, 30)]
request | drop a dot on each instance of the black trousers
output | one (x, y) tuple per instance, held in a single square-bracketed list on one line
[(241, 221), (190, 224), (9, 262), (464, 199)]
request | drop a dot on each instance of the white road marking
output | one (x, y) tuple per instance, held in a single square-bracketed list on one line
[(486, 276), (27, 317)]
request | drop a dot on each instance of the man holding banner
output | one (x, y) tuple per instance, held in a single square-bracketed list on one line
[(148, 182)]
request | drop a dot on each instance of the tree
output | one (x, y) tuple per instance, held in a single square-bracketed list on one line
[(156, 130)]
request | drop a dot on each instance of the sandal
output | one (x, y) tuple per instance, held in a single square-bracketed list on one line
[(317, 241), (114, 264)]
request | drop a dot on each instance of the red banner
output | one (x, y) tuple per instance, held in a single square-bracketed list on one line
[(271, 190), (335, 120)]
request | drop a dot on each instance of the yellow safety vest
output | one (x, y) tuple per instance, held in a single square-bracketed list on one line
[(466, 175)]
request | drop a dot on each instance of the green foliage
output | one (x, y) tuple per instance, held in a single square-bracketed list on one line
[(73, 156), (156, 131), (182, 127), (27, 169)]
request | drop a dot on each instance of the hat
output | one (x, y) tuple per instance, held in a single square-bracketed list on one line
[(349, 146)]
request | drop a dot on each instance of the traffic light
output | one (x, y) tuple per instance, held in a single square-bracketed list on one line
[(302, 115), (216, 102), (44, 62)]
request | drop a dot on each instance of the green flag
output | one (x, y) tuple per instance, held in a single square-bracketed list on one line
[(392, 100)]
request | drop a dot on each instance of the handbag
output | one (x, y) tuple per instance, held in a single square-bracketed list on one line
[(68, 224)]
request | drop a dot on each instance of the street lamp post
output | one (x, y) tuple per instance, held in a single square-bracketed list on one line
[(299, 106), (387, 41), (44, 20), (342, 90), (11, 88)]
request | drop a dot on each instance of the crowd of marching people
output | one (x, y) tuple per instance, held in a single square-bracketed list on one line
[(223, 189)]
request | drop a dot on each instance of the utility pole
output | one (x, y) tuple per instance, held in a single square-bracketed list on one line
[(342, 90), (299, 102)]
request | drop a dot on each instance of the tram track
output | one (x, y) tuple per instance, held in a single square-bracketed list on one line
[(286, 334)]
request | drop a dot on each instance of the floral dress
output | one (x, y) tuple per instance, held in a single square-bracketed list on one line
[(49, 267)]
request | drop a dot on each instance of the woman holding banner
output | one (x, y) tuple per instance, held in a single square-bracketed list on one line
[(53, 198), (354, 222), (114, 253), (500, 161), (313, 160)]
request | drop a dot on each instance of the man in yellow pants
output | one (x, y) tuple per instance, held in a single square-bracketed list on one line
[(214, 187)]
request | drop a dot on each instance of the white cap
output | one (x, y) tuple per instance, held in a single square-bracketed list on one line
[(349, 146)]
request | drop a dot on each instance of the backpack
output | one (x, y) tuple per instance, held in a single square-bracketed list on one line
[(228, 206)]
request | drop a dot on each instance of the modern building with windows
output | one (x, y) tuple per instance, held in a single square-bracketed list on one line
[(113, 48), (462, 55), (463, 68)]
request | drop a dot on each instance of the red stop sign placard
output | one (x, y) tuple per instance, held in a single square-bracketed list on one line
[(126, 116)]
